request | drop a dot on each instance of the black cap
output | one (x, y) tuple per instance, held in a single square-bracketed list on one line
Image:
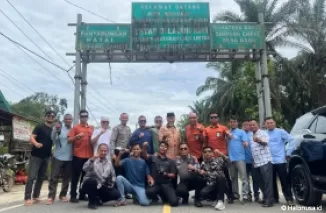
[(170, 114), (49, 112)]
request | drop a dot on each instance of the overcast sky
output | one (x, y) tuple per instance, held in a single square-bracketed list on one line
[(148, 89)]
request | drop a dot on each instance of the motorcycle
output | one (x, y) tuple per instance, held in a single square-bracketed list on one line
[(7, 175)]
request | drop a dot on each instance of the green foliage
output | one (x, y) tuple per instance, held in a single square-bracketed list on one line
[(35, 105)]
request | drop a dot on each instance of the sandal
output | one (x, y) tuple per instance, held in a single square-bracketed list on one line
[(36, 200), (64, 199), (28, 202), (49, 201), (120, 203)]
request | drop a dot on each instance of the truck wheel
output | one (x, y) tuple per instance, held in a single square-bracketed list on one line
[(302, 187)]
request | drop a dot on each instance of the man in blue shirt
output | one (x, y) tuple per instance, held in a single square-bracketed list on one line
[(249, 164), (142, 134), (61, 161), (136, 171), (277, 139), (236, 152)]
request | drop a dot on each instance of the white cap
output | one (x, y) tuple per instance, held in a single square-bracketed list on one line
[(104, 118)]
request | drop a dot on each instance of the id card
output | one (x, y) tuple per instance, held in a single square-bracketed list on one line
[(218, 134)]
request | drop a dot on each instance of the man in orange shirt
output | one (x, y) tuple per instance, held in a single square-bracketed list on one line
[(215, 136), (194, 135), (80, 137), (170, 134)]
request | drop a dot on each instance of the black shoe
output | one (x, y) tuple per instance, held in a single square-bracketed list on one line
[(236, 196), (198, 203), (92, 206), (99, 202), (230, 201), (74, 200), (82, 198), (258, 200), (261, 201), (267, 205), (276, 201), (128, 196), (185, 202)]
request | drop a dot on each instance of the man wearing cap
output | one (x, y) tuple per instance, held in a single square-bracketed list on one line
[(142, 134), (40, 156), (80, 137), (102, 135), (171, 135)]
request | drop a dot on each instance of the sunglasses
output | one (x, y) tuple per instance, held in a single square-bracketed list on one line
[(142, 120), (183, 149), (84, 116), (207, 151), (213, 117)]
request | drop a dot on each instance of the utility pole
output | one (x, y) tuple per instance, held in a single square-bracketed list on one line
[(77, 73), (84, 85), (264, 68), (259, 92)]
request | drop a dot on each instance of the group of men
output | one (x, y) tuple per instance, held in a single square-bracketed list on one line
[(149, 162)]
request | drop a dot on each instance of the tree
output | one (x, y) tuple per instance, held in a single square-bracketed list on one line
[(34, 106)]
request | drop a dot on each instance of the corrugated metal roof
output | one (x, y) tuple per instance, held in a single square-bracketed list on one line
[(4, 105)]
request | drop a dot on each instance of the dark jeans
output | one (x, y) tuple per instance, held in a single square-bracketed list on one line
[(62, 168), (255, 180), (36, 172), (266, 182), (77, 171), (196, 183), (228, 190), (281, 171), (165, 191), (105, 194), (216, 190)]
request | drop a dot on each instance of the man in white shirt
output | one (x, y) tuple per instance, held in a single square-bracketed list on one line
[(102, 135)]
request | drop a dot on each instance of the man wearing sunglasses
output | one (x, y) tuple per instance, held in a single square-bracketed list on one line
[(102, 135), (80, 137), (142, 134), (40, 156)]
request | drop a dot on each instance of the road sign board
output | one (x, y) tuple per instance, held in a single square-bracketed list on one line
[(170, 27), (236, 36), (104, 37)]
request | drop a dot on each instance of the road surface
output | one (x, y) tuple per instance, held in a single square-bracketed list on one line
[(13, 203)]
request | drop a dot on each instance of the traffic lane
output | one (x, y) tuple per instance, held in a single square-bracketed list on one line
[(238, 207), (60, 207)]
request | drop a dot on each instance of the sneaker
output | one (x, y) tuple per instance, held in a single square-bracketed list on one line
[(214, 203), (220, 205), (74, 200)]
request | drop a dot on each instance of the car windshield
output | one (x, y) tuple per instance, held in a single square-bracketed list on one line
[(302, 123)]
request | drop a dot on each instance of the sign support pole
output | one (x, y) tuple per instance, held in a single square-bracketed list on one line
[(77, 74), (84, 85), (266, 86), (259, 92)]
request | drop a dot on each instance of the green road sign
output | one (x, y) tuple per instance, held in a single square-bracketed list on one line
[(104, 37), (170, 27), (236, 36)]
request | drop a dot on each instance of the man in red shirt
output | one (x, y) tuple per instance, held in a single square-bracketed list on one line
[(215, 136), (194, 136), (80, 137)]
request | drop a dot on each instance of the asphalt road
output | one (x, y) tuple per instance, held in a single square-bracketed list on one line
[(13, 203)]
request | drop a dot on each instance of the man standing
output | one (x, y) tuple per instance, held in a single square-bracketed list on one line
[(120, 135), (194, 136), (236, 150), (142, 134), (277, 139), (249, 165), (61, 162), (80, 137), (136, 171), (102, 135), (40, 155), (171, 135), (158, 120), (215, 137), (263, 162)]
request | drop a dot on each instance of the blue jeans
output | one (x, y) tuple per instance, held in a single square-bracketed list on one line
[(124, 186)]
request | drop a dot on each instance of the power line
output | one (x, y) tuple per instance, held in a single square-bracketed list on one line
[(102, 17), (10, 78), (23, 33), (31, 51)]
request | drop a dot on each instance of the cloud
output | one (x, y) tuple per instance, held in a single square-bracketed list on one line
[(149, 89)]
